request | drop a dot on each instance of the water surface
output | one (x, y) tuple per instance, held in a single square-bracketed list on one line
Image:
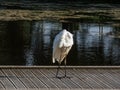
[(30, 43), (58, 4)]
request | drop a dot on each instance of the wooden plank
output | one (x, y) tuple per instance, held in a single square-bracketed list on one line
[(105, 80), (36, 78), (53, 72), (13, 78), (1, 85), (116, 73), (54, 67), (80, 82), (24, 79), (90, 80), (68, 81), (100, 78), (82, 78), (72, 79), (39, 78), (95, 75), (42, 78), (48, 73), (44, 73), (5, 82), (79, 79), (33, 78), (113, 77)]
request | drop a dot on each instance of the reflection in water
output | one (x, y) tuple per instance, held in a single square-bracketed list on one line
[(29, 52), (90, 43), (30, 43), (39, 51), (11, 45)]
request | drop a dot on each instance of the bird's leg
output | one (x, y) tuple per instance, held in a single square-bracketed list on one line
[(57, 70), (58, 67), (65, 67)]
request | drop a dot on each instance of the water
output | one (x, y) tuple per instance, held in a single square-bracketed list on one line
[(58, 4), (30, 43)]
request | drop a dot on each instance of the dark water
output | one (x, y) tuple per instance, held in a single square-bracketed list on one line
[(58, 4), (30, 43)]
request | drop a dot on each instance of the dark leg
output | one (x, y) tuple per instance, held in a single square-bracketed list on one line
[(65, 76), (57, 70), (65, 66)]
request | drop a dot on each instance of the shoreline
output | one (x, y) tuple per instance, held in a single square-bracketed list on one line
[(61, 15)]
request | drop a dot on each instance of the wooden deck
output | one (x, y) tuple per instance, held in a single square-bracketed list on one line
[(43, 78)]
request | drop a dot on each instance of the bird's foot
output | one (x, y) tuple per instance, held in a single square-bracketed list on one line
[(59, 77), (63, 77), (67, 77)]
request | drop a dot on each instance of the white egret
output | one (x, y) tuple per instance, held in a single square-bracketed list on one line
[(61, 47)]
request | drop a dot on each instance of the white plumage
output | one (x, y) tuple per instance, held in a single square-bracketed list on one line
[(62, 45)]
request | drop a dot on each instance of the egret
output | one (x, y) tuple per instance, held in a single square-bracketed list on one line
[(61, 47)]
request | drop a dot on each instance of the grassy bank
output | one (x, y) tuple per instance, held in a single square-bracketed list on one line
[(98, 15)]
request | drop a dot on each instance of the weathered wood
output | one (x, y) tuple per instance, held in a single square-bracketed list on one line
[(24, 79), (111, 79), (54, 67), (33, 78), (71, 83), (5, 81), (13, 78), (96, 76), (53, 79), (44, 78)]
